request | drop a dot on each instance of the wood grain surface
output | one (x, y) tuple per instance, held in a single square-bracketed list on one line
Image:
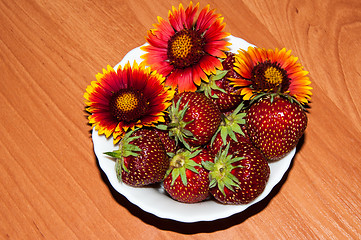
[(51, 186)]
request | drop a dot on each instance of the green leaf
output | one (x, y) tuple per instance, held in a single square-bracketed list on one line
[(236, 159), (187, 133), (208, 165), (235, 181), (215, 135), (272, 98), (257, 97), (183, 176), (118, 170), (182, 140), (128, 153), (232, 135), (183, 111), (236, 128), (214, 86), (192, 168), (228, 183), (195, 153), (238, 109), (175, 175), (162, 127), (212, 183), (221, 188), (114, 154), (124, 167), (240, 120), (224, 134), (119, 167), (130, 139), (219, 74), (173, 125), (214, 96), (171, 154)]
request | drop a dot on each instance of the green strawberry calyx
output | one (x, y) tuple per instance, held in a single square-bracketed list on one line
[(220, 171), (273, 95), (180, 162), (207, 87), (230, 125), (126, 149), (177, 125)]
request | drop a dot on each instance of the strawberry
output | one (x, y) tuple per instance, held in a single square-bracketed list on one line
[(163, 133), (194, 119), (219, 90), (141, 159), (238, 177), (187, 181), (169, 143), (275, 123)]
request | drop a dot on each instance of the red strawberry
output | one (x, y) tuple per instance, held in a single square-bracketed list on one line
[(238, 177), (169, 143), (194, 119), (219, 89), (187, 181), (141, 159), (275, 124), (163, 133)]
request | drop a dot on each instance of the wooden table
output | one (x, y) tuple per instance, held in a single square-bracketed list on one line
[(51, 185)]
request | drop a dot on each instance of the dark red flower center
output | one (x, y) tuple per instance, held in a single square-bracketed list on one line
[(269, 77), (128, 105), (185, 48)]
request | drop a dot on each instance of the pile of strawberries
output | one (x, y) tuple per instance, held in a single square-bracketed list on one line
[(212, 147)]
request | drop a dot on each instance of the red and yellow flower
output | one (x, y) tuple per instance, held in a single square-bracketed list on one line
[(186, 50), (134, 96), (271, 71)]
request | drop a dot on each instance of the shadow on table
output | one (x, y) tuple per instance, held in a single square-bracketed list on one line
[(203, 226)]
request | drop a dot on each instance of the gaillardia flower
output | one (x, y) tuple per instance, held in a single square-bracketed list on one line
[(187, 48), (271, 71), (134, 96)]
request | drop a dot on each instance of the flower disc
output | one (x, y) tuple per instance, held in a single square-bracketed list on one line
[(128, 105), (185, 48)]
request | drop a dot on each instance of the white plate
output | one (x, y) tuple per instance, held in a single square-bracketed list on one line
[(154, 200)]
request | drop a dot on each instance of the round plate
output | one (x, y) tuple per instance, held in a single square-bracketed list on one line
[(155, 200)]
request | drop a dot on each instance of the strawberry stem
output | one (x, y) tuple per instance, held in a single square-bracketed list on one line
[(230, 125), (180, 163), (211, 85), (177, 125), (220, 171), (126, 149)]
